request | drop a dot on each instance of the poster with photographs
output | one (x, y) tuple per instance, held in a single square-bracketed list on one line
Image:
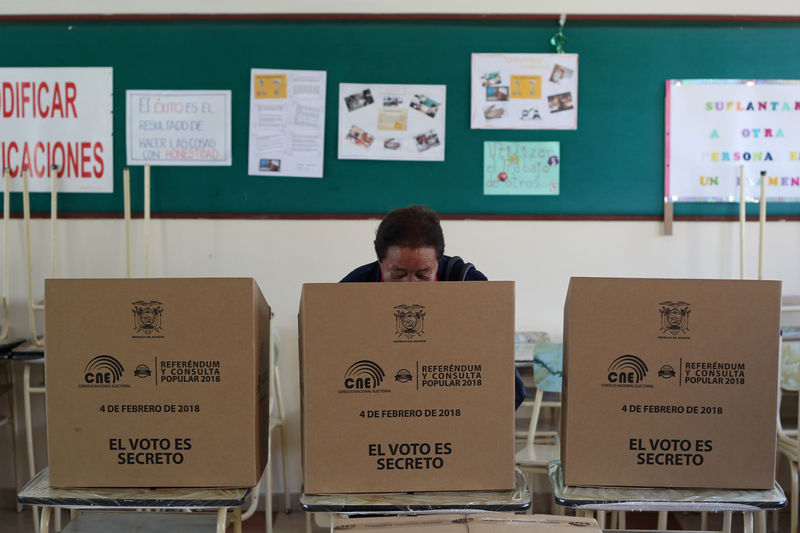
[(287, 123), (524, 91), (392, 122)]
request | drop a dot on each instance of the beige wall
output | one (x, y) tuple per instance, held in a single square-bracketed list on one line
[(675, 7), (283, 254)]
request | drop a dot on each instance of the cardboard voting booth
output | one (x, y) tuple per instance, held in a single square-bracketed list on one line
[(407, 386), (670, 383), (156, 382)]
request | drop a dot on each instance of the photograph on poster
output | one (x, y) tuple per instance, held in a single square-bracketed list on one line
[(499, 93), (270, 165), (493, 112), (426, 141), (287, 123), (560, 72), (360, 137), (358, 100), (427, 105), (491, 78), (524, 91), (406, 122), (391, 143), (559, 102)]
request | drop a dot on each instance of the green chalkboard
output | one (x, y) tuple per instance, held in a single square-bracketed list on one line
[(611, 165)]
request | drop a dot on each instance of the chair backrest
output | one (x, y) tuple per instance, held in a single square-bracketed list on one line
[(275, 400), (547, 373)]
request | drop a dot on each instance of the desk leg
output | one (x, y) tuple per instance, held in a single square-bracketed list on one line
[(44, 523), (761, 522), (747, 518), (601, 519), (237, 520), (726, 522), (26, 397), (308, 521), (662, 521), (222, 520)]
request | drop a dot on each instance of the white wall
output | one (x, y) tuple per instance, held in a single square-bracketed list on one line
[(675, 7), (282, 254)]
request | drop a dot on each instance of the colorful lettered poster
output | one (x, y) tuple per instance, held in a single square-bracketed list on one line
[(287, 123), (521, 168), (525, 91), (57, 123), (178, 128), (391, 122), (714, 127)]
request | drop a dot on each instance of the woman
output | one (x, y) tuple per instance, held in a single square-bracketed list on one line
[(409, 244)]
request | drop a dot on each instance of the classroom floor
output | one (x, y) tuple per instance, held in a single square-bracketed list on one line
[(12, 522)]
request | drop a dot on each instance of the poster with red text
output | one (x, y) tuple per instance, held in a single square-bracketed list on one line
[(57, 123)]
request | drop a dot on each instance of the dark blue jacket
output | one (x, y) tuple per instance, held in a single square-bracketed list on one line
[(372, 273)]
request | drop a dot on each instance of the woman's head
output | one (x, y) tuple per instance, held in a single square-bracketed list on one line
[(409, 244)]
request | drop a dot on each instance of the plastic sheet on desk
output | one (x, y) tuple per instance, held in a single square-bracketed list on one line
[(470, 523), (38, 492), (661, 499), (7, 345), (518, 499), (27, 350)]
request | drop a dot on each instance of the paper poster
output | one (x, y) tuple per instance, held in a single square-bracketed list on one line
[(525, 91), (287, 123), (521, 168), (62, 118), (178, 128), (714, 127), (392, 122)]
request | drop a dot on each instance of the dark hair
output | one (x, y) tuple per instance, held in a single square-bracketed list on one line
[(415, 226)]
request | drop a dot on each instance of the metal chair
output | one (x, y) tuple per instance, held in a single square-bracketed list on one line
[(541, 446), (788, 439), (276, 422)]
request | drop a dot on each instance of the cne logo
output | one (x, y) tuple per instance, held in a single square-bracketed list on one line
[(674, 318), (363, 375), (409, 320), (147, 317), (627, 369), (102, 370)]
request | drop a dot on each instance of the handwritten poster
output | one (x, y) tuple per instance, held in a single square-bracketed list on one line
[(392, 122), (57, 123), (713, 127), (171, 128), (521, 168), (524, 91), (287, 123)]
